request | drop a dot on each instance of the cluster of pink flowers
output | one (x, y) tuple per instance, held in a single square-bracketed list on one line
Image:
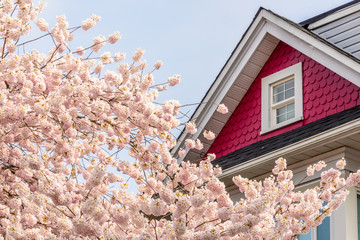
[(90, 22), (191, 127), (63, 120), (209, 135), (42, 24), (320, 165), (158, 64), (114, 37), (174, 80), (222, 109)]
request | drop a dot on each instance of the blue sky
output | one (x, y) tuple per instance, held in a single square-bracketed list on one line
[(193, 38)]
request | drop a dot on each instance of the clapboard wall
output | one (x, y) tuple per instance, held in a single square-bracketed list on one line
[(343, 32)]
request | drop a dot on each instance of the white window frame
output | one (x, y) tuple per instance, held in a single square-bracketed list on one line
[(268, 112)]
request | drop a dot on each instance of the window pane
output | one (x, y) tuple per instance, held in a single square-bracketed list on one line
[(290, 115), (280, 118), (290, 107), (323, 231), (279, 97), (289, 84), (279, 88), (283, 91), (281, 111), (289, 93), (285, 113)]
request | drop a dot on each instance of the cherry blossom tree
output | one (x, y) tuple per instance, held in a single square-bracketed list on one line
[(65, 117)]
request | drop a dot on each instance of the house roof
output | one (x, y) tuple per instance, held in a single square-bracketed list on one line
[(271, 144), (340, 27), (316, 18), (246, 61)]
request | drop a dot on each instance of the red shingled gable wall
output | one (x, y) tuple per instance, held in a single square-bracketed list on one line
[(324, 93)]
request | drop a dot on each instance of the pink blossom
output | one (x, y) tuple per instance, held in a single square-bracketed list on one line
[(310, 171), (320, 165), (182, 152), (276, 170), (114, 37), (80, 51), (106, 58), (167, 195), (341, 164), (189, 143), (158, 207), (224, 201), (251, 192), (330, 174), (215, 186), (158, 64), (182, 205), (353, 179), (211, 156), (120, 215), (191, 127), (98, 68), (30, 219), (119, 57), (225, 213), (10, 47), (179, 225), (198, 200), (138, 55), (161, 87), (174, 80), (209, 135), (198, 144), (88, 23), (99, 42), (222, 109), (42, 24), (281, 164)]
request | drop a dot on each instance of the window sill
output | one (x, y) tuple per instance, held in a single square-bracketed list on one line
[(280, 125)]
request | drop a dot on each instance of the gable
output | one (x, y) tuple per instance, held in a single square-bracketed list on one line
[(324, 93), (244, 65)]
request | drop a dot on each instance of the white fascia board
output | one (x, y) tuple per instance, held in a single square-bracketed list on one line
[(225, 80), (313, 48), (335, 16), (333, 134)]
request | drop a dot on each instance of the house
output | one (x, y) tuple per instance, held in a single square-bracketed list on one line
[(292, 91)]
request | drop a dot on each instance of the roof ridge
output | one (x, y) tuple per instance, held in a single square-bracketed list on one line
[(306, 22)]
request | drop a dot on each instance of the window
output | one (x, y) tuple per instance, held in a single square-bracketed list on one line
[(283, 101), (305, 236), (321, 232), (281, 98)]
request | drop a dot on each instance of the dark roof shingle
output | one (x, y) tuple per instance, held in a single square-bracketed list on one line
[(271, 144)]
